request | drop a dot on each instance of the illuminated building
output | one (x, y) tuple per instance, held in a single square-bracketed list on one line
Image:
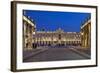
[(58, 37), (86, 34), (33, 38), (29, 30)]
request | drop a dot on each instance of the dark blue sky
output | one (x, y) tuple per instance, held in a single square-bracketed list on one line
[(51, 20)]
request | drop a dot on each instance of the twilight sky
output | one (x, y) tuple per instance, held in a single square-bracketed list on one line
[(51, 20)]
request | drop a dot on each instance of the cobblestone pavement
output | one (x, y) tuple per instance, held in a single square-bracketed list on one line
[(55, 54)]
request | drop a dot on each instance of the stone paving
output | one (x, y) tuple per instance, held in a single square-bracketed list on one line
[(53, 53), (33, 52)]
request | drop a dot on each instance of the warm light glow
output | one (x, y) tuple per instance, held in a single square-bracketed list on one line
[(82, 33), (33, 33)]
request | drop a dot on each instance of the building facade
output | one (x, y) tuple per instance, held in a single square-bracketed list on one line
[(58, 37), (86, 34), (28, 31)]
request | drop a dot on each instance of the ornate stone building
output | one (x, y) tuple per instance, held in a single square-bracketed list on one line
[(58, 37), (33, 38), (29, 30), (86, 34)]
